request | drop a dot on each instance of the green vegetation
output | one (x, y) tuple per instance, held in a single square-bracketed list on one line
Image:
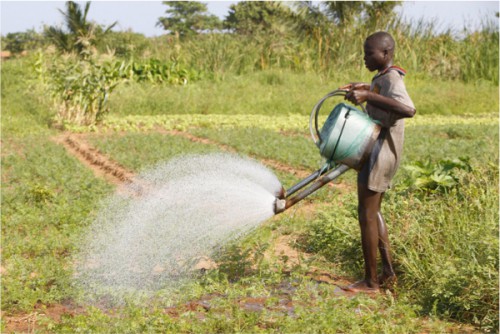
[(187, 18), (139, 151), (80, 88), (79, 33), (47, 198), (253, 95)]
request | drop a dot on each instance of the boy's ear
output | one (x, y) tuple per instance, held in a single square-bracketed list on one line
[(388, 53)]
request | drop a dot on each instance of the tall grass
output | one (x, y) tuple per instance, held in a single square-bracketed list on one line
[(282, 92), (470, 58)]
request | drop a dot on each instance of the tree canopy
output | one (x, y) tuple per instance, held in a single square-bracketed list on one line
[(249, 17), (79, 33), (187, 18)]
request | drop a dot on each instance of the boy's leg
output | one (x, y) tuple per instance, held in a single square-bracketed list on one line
[(368, 210), (388, 274)]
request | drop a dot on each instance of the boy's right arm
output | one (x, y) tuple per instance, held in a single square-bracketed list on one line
[(356, 86)]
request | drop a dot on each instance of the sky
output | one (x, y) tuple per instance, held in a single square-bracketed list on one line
[(141, 16)]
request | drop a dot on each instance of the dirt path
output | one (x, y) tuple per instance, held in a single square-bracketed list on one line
[(30, 323), (99, 163)]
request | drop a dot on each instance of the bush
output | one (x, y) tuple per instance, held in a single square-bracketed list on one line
[(80, 87)]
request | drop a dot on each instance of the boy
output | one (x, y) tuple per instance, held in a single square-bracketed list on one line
[(388, 103)]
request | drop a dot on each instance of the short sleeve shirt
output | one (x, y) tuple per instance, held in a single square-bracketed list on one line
[(388, 155)]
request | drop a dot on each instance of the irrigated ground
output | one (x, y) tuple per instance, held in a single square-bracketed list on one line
[(104, 167)]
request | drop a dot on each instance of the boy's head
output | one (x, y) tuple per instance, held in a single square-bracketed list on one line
[(379, 51)]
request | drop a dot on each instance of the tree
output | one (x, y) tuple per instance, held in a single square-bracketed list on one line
[(344, 12), (380, 13), (368, 13), (309, 19), (17, 42), (188, 18), (249, 17), (79, 33)]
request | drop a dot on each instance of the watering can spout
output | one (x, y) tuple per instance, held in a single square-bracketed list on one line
[(281, 193), (279, 205), (307, 186)]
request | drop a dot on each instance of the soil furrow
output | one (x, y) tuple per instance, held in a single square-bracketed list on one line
[(101, 165)]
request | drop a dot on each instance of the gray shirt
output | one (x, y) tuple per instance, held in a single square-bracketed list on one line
[(389, 84)]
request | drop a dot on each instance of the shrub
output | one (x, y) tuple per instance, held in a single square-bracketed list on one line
[(79, 87)]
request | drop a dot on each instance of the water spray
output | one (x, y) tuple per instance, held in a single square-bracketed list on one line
[(345, 141), (193, 204)]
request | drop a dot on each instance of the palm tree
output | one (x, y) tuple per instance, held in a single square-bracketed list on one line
[(81, 33)]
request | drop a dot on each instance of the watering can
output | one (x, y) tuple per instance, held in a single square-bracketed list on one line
[(345, 141)]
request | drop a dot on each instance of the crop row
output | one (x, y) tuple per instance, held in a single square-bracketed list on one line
[(292, 122)]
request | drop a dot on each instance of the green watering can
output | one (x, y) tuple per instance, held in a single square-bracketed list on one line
[(345, 141), (348, 135)]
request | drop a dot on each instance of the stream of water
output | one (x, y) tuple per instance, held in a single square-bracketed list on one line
[(190, 206)]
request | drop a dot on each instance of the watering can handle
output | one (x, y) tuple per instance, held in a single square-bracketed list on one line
[(315, 112)]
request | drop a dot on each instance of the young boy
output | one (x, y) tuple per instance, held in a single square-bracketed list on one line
[(388, 103)]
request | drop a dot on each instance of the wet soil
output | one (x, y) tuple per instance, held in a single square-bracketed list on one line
[(30, 323)]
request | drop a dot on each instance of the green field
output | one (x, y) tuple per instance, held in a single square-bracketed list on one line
[(444, 234)]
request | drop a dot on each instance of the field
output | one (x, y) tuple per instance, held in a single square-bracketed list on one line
[(283, 277)]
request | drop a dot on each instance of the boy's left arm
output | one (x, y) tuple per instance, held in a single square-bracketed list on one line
[(381, 102)]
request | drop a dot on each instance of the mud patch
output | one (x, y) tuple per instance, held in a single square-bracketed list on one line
[(30, 323)]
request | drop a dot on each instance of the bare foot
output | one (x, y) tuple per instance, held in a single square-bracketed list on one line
[(361, 286), (387, 280)]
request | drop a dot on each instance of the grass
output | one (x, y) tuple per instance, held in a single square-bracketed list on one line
[(23, 110), (139, 151), (282, 92), (438, 142), (442, 263), (47, 198), (445, 244)]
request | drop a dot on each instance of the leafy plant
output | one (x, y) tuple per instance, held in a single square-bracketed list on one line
[(438, 177), (156, 71), (38, 194), (80, 89), (335, 235)]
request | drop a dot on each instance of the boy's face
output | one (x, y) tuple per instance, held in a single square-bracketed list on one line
[(376, 58)]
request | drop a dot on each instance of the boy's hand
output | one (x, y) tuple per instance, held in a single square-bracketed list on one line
[(357, 96)]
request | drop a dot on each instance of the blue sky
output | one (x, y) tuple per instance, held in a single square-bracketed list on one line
[(141, 16)]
